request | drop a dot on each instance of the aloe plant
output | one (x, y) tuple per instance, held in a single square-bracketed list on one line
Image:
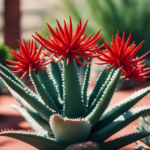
[(144, 127), (60, 112)]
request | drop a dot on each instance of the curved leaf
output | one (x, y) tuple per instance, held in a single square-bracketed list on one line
[(38, 141), (49, 84), (99, 83), (11, 75), (36, 124), (119, 123), (123, 141), (20, 99), (42, 93), (100, 93), (31, 99), (97, 112), (117, 109), (144, 127)]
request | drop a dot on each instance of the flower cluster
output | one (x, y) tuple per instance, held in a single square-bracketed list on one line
[(29, 58), (137, 72), (65, 44), (122, 54)]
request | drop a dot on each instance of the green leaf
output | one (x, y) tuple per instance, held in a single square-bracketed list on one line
[(117, 109), (101, 106), (16, 79), (74, 106), (146, 119), (146, 141), (100, 93), (30, 110), (33, 113), (50, 86), (85, 83), (36, 123), (102, 78), (122, 141), (42, 93), (11, 75), (143, 126), (20, 99), (31, 99), (36, 140), (56, 75), (119, 123)]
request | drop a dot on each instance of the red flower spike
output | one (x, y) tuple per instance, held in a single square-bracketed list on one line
[(121, 54), (136, 72), (28, 58), (66, 44)]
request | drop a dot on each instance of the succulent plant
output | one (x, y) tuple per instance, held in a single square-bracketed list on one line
[(60, 112), (143, 126)]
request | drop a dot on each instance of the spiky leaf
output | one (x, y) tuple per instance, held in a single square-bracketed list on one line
[(42, 93), (112, 112), (20, 99), (94, 116), (99, 83), (144, 127), (74, 106), (123, 141), (119, 123), (11, 75), (34, 122), (32, 100), (100, 93), (146, 141), (85, 83), (51, 88), (32, 112), (56, 73), (38, 141)]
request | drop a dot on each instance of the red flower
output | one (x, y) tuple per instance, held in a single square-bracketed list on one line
[(66, 44), (120, 53), (136, 72), (28, 58)]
